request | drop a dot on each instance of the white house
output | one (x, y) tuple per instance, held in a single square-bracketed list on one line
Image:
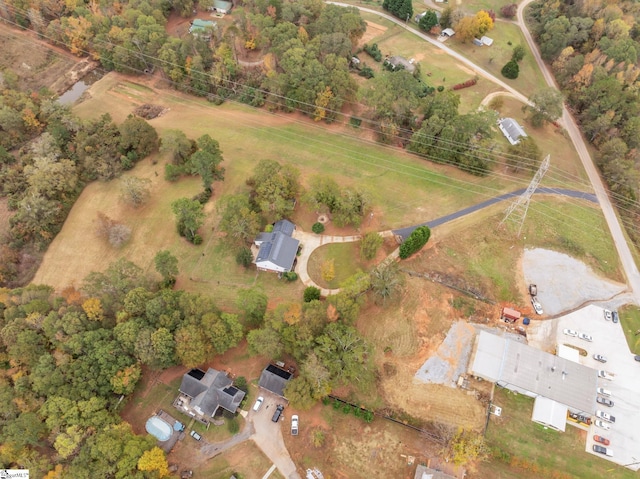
[(278, 249), (511, 130)]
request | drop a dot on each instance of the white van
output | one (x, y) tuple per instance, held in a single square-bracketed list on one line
[(604, 392), (258, 404)]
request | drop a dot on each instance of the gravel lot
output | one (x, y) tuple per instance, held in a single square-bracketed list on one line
[(564, 283)]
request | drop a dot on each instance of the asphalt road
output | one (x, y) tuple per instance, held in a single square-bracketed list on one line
[(404, 232)]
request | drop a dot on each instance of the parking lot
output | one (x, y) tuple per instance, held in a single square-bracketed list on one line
[(609, 341)]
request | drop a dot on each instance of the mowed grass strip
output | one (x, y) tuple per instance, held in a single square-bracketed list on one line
[(514, 435), (630, 320)]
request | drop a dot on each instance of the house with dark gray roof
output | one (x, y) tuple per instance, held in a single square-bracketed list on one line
[(511, 130), (202, 394), (278, 249), (400, 63), (274, 379)]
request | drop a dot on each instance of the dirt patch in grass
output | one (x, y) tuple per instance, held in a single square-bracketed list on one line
[(373, 30), (246, 459), (43, 64), (354, 449)]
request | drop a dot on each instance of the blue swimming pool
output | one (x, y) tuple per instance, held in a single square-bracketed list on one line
[(159, 428)]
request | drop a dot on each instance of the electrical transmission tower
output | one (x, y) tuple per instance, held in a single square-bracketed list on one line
[(517, 211)]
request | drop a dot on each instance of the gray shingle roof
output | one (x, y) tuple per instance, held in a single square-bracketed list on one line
[(274, 379), (214, 390), (512, 130), (284, 226), (281, 251)]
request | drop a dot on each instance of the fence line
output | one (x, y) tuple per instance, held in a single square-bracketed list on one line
[(435, 279)]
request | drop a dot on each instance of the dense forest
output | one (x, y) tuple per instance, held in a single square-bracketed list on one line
[(66, 360), (593, 47)]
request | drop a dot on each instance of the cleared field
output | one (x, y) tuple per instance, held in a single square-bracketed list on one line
[(525, 450), (404, 189), (482, 256)]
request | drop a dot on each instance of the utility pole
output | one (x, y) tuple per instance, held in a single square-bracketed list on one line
[(517, 211)]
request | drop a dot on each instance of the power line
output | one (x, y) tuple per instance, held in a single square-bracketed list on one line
[(388, 168)]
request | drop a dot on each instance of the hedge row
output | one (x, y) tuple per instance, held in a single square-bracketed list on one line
[(466, 84), (416, 240)]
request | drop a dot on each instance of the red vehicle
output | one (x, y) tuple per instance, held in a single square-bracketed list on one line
[(601, 440)]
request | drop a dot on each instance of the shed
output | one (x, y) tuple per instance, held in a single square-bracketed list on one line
[(487, 41), (202, 28), (449, 32), (477, 42), (274, 379), (550, 413), (510, 315), (511, 130), (221, 6)]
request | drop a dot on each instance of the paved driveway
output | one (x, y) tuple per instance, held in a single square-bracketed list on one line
[(609, 340), (268, 435)]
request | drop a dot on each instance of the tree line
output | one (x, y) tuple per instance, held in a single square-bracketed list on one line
[(593, 50)]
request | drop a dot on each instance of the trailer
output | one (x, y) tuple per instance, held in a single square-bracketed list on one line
[(510, 315)]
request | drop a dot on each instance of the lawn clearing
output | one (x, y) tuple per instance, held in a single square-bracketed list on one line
[(404, 189), (515, 439), (565, 170), (505, 37), (346, 259), (630, 321), (403, 334), (478, 255), (354, 449), (246, 459)]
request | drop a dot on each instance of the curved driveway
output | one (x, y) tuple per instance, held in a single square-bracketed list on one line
[(626, 258)]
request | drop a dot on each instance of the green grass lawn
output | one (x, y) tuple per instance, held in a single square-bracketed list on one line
[(514, 438), (346, 258), (475, 249), (245, 459), (630, 320)]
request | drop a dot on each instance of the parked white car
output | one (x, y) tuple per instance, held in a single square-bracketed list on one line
[(605, 415), (604, 392), (536, 305), (600, 357), (570, 332), (601, 424), (585, 337), (607, 315), (258, 404), (605, 375), (294, 425)]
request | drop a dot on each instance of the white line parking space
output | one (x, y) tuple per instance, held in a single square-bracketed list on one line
[(609, 341)]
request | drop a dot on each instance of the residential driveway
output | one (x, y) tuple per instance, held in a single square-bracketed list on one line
[(609, 341), (268, 435)]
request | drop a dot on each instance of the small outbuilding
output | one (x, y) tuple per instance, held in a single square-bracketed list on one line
[(510, 315), (221, 6), (274, 379), (202, 28), (487, 41), (511, 130), (477, 42), (448, 32)]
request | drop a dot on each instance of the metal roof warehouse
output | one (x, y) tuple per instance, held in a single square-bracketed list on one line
[(528, 370)]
